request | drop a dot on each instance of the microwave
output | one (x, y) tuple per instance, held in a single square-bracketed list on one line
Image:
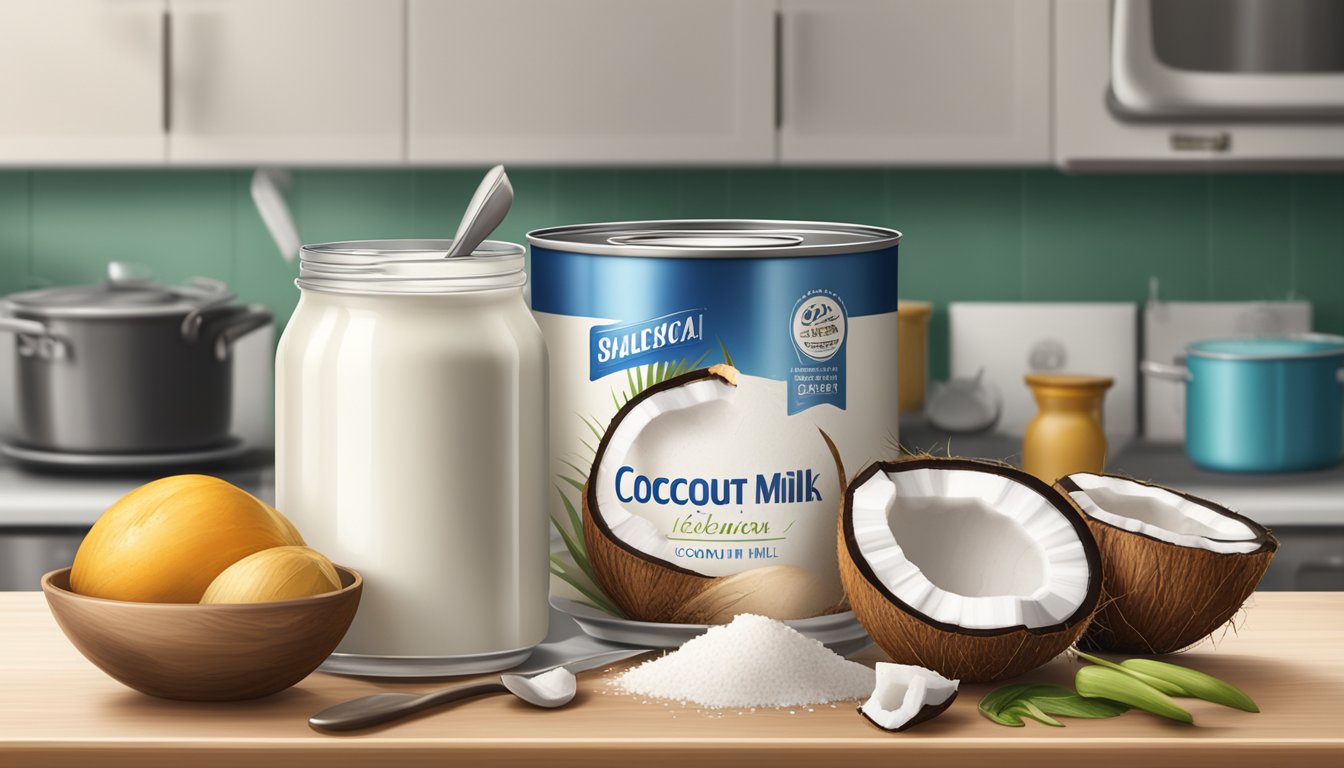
[(1199, 84)]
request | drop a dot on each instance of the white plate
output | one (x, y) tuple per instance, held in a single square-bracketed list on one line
[(840, 632)]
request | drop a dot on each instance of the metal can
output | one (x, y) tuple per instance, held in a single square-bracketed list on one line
[(806, 313), (410, 445)]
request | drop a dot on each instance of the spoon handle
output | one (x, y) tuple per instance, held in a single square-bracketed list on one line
[(374, 710)]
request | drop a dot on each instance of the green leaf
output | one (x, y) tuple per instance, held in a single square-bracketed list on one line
[(700, 359), (1101, 682), (1035, 713), (583, 472), (631, 390), (596, 599), (575, 521), (575, 552), (593, 427), (1038, 701), (578, 484), (1193, 682), (1000, 699), (1073, 705), (727, 358), (1000, 705)]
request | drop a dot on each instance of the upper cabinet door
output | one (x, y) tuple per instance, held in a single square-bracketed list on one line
[(287, 81), (591, 81), (916, 82), (81, 82)]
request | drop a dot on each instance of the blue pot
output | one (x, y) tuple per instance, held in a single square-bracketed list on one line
[(1263, 405)]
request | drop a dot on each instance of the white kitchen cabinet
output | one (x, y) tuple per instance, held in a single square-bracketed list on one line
[(82, 82), (915, 82), (287, 81), (591, 81)]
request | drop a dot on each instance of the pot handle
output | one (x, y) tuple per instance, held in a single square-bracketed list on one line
[(34, 340), (1166, 371), (252, 318)]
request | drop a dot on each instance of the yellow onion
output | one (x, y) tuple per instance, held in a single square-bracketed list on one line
[(167, 540), (279, 573)]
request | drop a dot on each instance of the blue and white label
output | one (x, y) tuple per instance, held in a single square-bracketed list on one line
[(617, 346), (819, 325)]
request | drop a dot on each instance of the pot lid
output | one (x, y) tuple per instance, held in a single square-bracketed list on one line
[(1272, 348), (126, 293)]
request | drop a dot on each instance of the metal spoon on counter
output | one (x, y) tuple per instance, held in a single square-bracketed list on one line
[(543, 689), (487, 209)]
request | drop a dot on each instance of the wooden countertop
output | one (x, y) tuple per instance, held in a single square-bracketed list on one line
[(1288, 653)]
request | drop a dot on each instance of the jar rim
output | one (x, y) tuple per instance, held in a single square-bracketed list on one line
[(414, 266)]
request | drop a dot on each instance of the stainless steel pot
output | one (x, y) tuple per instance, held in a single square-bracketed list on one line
[(126, 366)]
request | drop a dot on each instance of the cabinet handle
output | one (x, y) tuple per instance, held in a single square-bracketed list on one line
[(779, 70), (1195, 142), (166, 76)]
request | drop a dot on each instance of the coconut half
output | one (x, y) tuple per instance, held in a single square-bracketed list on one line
[(691, 422), (906, 695), (1177, 567), (975, 570)]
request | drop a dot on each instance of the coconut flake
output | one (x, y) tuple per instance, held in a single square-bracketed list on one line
[(751, 662), (906, 695)]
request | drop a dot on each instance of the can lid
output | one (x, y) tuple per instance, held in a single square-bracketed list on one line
[(715, 238), (409, 267)]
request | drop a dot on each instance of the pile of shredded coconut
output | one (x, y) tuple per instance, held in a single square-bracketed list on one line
[(752, 662)]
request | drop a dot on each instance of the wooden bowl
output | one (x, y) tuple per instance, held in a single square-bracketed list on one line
[(196, 652)]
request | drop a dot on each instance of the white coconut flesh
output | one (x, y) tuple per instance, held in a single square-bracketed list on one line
[(635, 530), (1161, 514), (902, 692), (971, 549)]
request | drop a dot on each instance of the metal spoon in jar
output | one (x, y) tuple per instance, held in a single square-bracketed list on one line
[(485, 212)]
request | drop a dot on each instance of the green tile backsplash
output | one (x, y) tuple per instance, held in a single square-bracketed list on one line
[(1034, 235)]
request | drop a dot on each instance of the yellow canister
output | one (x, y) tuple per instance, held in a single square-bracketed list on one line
[(912, 364), (1066, 434)]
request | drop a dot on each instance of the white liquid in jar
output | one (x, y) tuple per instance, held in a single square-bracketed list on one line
[(410, 446)]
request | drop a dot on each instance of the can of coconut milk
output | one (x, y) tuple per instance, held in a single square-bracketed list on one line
[(714, 481)]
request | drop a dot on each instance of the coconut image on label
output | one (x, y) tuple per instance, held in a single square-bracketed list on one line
[(1177, 566), (673, 548)]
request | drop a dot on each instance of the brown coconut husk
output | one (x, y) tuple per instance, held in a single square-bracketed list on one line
[(969, 655), (1159, 597), (643, 588)]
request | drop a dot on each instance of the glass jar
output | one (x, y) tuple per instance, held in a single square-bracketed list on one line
[(410, 445)]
